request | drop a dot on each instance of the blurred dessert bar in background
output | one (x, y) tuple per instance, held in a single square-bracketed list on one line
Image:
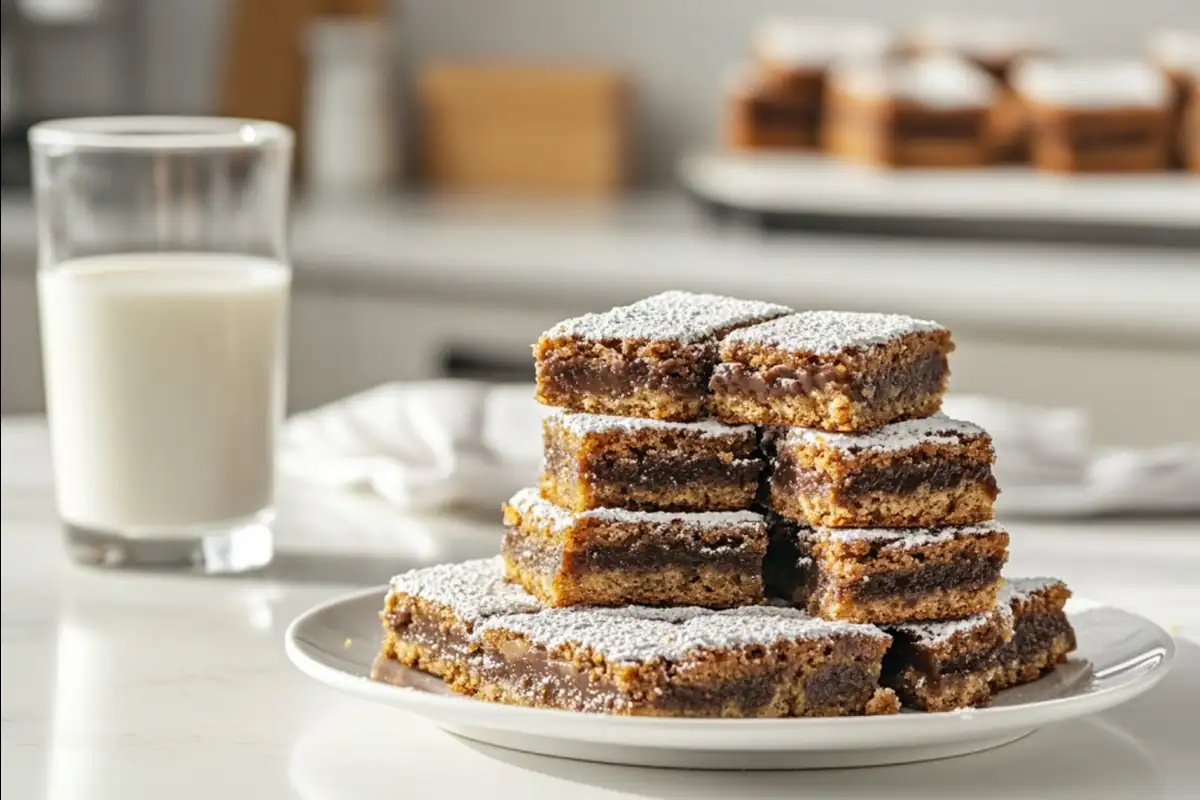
[(1177, 54), (934, 111), (780, 101), (1097, 116), (962, 92), (995, 45), (1189, 133)]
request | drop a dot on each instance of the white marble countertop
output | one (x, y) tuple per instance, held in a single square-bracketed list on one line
[(587, 254), (136, 686)]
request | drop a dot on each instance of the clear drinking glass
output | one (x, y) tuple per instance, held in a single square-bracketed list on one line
[(163, 281)]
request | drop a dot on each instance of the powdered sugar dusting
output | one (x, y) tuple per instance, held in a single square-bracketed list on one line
[(937, 82), (1020, 589), (937, 429), (908, 538), (582, 424), (638, 634), (529, 503), (830, 332), (934, 633), (1092, 84), (475, 590), (670, 316)]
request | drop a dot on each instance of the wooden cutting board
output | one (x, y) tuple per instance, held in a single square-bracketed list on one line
[(546, 130)]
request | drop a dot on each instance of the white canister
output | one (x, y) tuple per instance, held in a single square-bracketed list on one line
[(352, 139)]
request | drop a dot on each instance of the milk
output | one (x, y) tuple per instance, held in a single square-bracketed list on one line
[(164, 386)]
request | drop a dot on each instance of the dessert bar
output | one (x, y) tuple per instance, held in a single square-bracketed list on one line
[(1097, 116), (597, 461), (886, 575), (941, 666), (756, 661), (932, 471), (995, 45), (1190, 130), (835, 370), (1177, 54), (932, 111), (431, 616), (783, 103), (650, 359), (1042, 634), (762, 114), (612, 556)]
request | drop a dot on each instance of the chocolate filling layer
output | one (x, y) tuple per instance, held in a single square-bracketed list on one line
[(679, 377), (731, 555), (923, 376), (903, 479), (903, 654), (650, 557), (974, 573), (838, 685), (1034, 634), (431, 633), (918, 128), (771, 113), (674, 474)]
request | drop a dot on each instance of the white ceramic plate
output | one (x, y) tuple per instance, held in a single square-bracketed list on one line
[(1120, 656), (799, 183)]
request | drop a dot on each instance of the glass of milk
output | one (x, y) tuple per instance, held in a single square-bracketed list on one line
[(163, 281)]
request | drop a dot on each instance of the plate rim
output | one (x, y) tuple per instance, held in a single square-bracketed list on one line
[(418, 702)]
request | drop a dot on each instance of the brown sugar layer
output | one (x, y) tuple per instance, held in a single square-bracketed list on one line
[(614, 556), (633, 660), (649, 359), (892, 575), (912, 473), (837, 371), (597, 461)]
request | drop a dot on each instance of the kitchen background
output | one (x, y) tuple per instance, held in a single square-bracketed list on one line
[(417, 283)]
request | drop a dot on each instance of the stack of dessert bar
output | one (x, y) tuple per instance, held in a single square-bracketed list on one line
[(744, 511)]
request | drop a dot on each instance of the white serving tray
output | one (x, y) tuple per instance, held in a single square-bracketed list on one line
[(814, 185)]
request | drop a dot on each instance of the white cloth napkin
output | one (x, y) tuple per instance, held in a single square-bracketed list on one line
[(1048, 466), (431, 445), (421, 446)]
